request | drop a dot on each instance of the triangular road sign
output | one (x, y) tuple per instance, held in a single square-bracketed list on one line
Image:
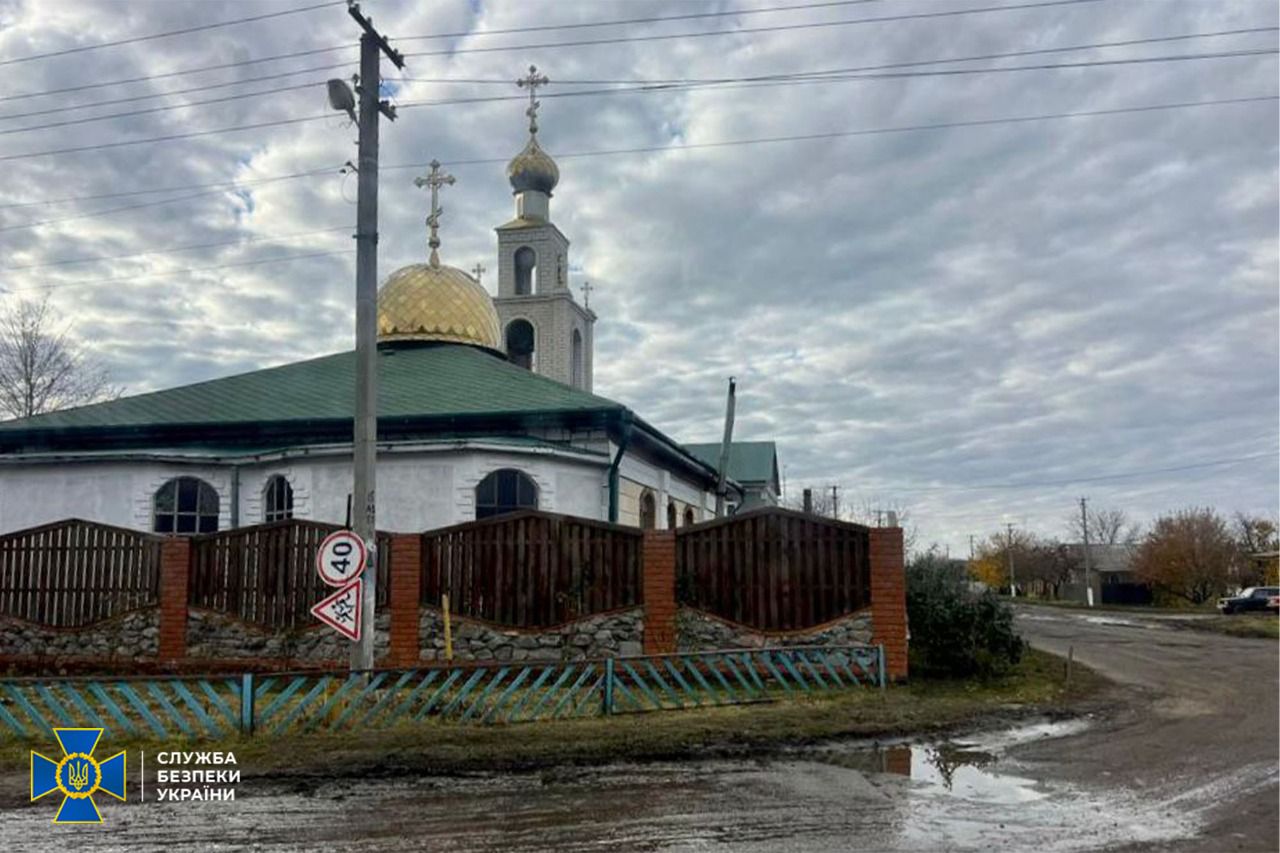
[(341, 611)]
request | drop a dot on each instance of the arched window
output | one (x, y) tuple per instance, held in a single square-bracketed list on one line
[(689, 517), (186, 505), (576, 367), (672, 515), (505, 490), (520, 343), (277, 499), (648, 510), (526, 262)]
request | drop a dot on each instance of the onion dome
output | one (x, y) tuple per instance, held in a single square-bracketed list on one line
[(533, 169), (433, 302)]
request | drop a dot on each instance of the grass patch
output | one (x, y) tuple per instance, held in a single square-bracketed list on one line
[(1241, 625), (1037, 684), (1207, 607)]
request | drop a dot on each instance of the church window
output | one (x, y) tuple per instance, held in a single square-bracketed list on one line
[(672, 515), (186, 505), (505, 490), (648, 511), (520, 343), (526, 263), (576, 367), (689, 517), (277, 499)]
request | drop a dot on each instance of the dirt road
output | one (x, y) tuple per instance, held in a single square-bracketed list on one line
[(1188, 762)]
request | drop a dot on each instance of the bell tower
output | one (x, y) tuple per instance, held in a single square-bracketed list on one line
[(543, 328)]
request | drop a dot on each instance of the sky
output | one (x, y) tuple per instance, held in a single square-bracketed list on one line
[(977, 324)]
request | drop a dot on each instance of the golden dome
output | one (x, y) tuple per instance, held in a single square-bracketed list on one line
[(533, 169), (432, 302)]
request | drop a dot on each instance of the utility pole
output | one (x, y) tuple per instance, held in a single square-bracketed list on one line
[(1013, 589), (1088, 561), (971, 547), (835, 502), (364, 450), (725, 447)]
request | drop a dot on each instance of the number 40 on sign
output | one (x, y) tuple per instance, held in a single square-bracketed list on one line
[(340, 562)]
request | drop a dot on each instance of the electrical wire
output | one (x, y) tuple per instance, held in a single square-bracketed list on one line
[(170, 273), (794, 78), (315, 51), (182, 32), (738, 142), (273, 238)]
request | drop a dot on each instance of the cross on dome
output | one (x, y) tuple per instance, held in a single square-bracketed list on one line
[(478, 270), (435, 180), (532, 82)]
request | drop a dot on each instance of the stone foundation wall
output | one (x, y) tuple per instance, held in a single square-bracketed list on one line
[(696, 631), (604, 635), (128, 636), (216, 636)]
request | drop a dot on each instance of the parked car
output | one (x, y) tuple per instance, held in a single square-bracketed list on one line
[(1252, 598)]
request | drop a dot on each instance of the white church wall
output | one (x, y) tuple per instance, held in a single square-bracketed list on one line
[(119, 493)]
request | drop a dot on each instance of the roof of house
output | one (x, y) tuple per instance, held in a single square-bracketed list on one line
[(749, 461), (1105, 558), (412, 381)]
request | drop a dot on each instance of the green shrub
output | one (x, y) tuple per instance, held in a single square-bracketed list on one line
[(955, 631)]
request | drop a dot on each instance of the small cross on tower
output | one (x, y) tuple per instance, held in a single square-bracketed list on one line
[(436, 179), (587, 287), (532, 82), (478, 271)]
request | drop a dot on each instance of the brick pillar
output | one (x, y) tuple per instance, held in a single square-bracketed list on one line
[(889, 598), (175, 569), (658, 566), (406, 578)]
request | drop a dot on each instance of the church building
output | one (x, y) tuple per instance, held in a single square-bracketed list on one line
[(485, 406)]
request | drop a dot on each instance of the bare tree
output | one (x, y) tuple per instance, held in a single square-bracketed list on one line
[(42, 368), (1106, 527)]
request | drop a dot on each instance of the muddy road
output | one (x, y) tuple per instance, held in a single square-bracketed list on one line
[(1186, 762)]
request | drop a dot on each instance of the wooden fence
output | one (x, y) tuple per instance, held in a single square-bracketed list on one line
[(266, 573), (532, 569), (73, 573), (773, 569)]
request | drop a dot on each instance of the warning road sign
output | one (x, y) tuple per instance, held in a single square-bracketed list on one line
[(341, 611), (341, 558)]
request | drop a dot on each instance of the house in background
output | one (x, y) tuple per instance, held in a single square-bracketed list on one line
[(1112, 578), (753, 465)]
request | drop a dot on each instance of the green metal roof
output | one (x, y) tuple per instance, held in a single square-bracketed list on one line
[(413, 381), (749, 461)]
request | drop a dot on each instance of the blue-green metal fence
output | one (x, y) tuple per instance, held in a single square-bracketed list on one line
[(283, 703)]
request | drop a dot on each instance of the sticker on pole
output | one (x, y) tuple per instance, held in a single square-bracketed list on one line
[(341, 558), (341, 611)]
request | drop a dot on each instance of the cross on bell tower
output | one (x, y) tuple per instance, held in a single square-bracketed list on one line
[(532, 81), (544, 328), (478, 271), (435, 180)]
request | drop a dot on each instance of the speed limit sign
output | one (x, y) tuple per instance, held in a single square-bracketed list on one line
[(341, 558)]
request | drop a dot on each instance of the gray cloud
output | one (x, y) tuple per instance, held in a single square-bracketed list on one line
[(909, 315)]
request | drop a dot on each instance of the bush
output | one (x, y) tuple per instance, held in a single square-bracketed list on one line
[(956, 632)]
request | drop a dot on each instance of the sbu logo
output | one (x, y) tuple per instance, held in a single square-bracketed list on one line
[(78, 776)]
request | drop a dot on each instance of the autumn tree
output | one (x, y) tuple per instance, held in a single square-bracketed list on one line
[(1259, 541), (42, 367), (990, 563), (1191, 554), (1107, 526)]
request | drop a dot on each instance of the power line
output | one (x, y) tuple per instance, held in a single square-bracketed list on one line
[(170, 273), (950, 13), (280, 238), (792, 78), (504, 81), (1094, 479), (521, 47), (681, 147), (182, 32)]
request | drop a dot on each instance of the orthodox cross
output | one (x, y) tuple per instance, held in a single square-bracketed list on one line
[(532, 82), (478, 270), (587, 287), (436, 179)]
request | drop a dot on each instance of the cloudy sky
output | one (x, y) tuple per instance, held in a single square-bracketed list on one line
[(977, 323)]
